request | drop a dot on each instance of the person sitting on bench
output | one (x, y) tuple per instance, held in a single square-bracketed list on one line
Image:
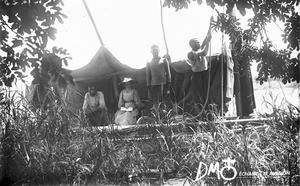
[(129, 102), (94, 107)]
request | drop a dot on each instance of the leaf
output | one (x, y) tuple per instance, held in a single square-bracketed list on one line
[(60, 19), (241, 9), (17, 42), (15, 26), (65, 62), (284, 81), (229, 8), (51, 32), (20, 74), (4, 35), (62, 3), (46, 23), (8, 81), (63, 15), (54, 49), (45, 41), (40, 12), (57, 8)]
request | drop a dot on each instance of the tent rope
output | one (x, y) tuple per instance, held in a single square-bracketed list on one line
[(166, 45), (209, 73)]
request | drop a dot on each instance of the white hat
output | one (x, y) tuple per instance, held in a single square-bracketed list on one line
[(127, 79)]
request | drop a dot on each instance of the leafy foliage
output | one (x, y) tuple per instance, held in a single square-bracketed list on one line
[(26, 27), (47, 77), (273, 63)]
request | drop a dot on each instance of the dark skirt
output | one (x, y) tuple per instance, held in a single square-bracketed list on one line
[(97, 118), (199, 87)]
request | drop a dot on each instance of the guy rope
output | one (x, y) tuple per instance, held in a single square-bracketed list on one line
[(209, 68)]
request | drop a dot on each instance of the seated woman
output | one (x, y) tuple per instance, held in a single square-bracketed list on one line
[(129, 102)]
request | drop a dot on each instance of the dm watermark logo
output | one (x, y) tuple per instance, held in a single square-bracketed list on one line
[(227, 172)]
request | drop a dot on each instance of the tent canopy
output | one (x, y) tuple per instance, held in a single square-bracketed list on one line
[(102, 66)]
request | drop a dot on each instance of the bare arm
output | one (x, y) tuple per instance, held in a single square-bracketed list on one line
[(205, 44), (205, 49), (208, 35)]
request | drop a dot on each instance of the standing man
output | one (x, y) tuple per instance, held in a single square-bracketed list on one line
[(94, 107), (158, 77), (198, 63)]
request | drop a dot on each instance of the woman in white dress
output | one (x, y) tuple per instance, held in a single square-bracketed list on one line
[(129, 102)]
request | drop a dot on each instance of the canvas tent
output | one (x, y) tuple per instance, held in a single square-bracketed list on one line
[(103, 65), (106, 72)]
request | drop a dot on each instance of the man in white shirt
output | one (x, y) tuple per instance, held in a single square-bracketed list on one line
[(94, 107)]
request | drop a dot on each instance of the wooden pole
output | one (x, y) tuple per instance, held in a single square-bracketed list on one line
[(236, 71), (93, 22), (222, 77), (163, 27)]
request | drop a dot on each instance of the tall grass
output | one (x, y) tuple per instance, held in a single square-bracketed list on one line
[(53, 146)]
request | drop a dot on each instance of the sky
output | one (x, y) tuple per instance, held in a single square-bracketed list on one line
[(128, 28)]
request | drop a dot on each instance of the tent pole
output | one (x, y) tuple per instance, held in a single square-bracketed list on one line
[(222, 77), (163, 27), (93, 22), (236, 71)]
